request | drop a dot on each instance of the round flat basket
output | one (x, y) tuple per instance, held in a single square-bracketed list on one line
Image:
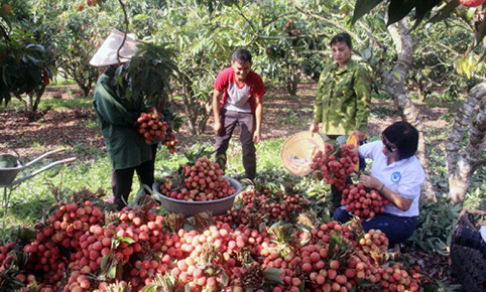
[(297, 152), (469, 264), (217, 207)]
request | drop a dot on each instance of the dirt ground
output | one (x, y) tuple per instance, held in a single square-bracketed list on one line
[(284, 116)]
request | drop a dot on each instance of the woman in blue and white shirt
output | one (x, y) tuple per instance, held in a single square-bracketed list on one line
[(398, 175)]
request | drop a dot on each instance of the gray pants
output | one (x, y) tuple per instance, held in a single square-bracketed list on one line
[(229, 120)]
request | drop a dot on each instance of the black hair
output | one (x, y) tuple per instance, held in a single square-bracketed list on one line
[(241, 56), (405, 136), (341, 38)]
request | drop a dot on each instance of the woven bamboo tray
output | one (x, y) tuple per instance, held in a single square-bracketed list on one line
[(297, 152), (468, 263)]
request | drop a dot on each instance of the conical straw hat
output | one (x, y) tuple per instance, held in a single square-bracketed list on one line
[(297, 152), (107, 53)]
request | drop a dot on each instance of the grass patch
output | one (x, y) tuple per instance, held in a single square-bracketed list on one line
[(66, 103), (382, 95), (31, 200), (60, 81), (382, 112), (48, 101), (90, 124), (432, 101)]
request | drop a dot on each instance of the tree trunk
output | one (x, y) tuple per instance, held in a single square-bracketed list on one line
[(32, 101), (189, 103), (38, 95), (394, 84), (29, 107), (293, 80), (461, 166)]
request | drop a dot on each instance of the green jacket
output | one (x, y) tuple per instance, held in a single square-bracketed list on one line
[(343, 99), (118, 121)]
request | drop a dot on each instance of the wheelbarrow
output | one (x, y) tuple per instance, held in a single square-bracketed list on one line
[(10, 167)]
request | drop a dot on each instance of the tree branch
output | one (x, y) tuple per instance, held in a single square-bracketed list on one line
[(353, 35), (126, 30), (477, 133), (461, 123)]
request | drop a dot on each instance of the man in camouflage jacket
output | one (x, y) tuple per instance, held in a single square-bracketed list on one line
[(343, 94), (342, 100)]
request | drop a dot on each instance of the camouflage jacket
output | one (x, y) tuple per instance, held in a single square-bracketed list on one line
[(343, 99)]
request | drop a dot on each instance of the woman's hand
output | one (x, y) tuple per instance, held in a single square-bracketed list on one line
[(359, 135), (393, 197), (314, 127), (370, 181)]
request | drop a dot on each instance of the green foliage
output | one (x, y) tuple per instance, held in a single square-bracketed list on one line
[(288, 46), (197, 151), (382, 96), (9, 281), (26, 67), (312, 67), (55, 103), (17, 234), (76, 43), (203, 49), (26, 60), (476, 199), (382, 112), (148, 74), (435, 226), (397, 9), (442, 54)]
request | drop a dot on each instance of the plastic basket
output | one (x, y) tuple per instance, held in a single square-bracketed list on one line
[(468, 263), (297, 152)]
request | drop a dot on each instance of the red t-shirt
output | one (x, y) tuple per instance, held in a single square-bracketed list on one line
[(239, 98)]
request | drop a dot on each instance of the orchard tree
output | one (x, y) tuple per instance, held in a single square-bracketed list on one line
[(439, 50), (287, 43), (26, 58), (289, 40), (81, 28), (470, 119), (203, 49), (206, 40), (76, 43)]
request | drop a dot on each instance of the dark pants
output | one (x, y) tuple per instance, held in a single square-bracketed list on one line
[(397, 229), (121, 179), (229, 120), (337, 195)]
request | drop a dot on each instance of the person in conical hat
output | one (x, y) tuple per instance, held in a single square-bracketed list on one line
[(117, 116), (107, 54)]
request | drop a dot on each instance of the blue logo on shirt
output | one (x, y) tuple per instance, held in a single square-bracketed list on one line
[(395, 177)]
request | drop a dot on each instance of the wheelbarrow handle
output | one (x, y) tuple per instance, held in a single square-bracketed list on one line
[(71, 159), (42, 156)]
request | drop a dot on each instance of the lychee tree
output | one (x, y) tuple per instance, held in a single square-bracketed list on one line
[(290, 41), (76, 42), (204, 49), (470, 119), (26, 59), (205, 42)]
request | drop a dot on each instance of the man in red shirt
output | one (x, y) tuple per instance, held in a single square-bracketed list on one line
[(237, 99)]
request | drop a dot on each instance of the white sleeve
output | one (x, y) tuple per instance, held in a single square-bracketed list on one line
[(369, 150)]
